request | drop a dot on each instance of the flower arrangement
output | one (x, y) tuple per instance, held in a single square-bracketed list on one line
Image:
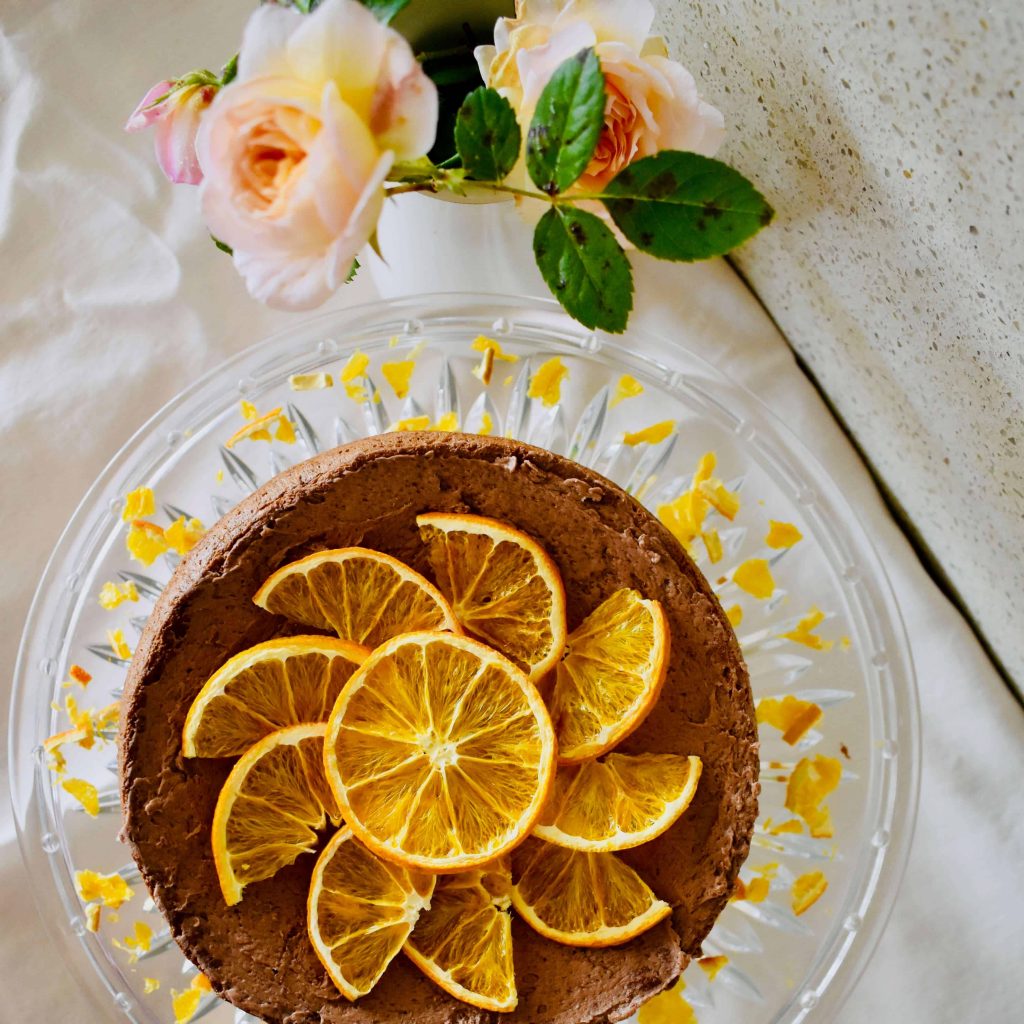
[(326, 111)]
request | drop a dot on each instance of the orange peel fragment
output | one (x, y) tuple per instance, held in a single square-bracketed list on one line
[(782, 535), (546, 383), (627, 387), (790, 715), (807, 890), (654, 434), (812, 780), (755, 577), (803, 632)]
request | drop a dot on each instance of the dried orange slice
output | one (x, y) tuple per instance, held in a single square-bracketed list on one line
[(503, 586), (271, 807), (618, 803), (361, 910), (270, 686), (610, 675), (464, 941), (364, 596), (440, 752), (584, 899)]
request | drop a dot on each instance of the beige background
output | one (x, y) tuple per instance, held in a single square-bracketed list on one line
[(889, 137)]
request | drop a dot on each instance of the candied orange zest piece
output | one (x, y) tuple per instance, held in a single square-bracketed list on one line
[(668, 1008), (411, 423), (85, 793), (139, 502), (447, 421), (184, 1004), (145, 541), (115, 637), (811, 781), (485, 370), (720, 497), (803, 632), (93, 912), (782, 535), (79, 675), (790, 715), (310, 381), (110, 890), (484, 344), (794, 825), (546, 383), (259, 429), (399, 375), (113, 594), (807, 890), (627, 387), (654, 434), (712, 545), (486, 424), (734, 613), (248, 410), (757, 890), (150, 985), (755, 577), (139, 942), (183, 535), (711, 965)]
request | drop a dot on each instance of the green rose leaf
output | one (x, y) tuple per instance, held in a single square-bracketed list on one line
[(682, 206), (383, 10), (585, 267), (487, 135), (566, 124)]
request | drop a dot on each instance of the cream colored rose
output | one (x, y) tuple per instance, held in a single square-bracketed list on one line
[(296, 150), (652, 102)]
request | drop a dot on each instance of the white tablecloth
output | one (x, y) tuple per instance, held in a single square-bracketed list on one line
[(112, 300)]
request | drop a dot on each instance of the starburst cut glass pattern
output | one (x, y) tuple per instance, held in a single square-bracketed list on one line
[(822, 641)]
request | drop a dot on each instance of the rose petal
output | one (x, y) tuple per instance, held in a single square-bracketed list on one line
[(146, 113), (404, 115), (265, 40), (612, 20)]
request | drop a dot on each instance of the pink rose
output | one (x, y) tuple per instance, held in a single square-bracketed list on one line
[(652, 103), (296, 150), (175, 109)]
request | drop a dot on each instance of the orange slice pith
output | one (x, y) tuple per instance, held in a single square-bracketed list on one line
[(618, 803), (361, 910), (503, 586), (583, 899), (271, 807), (610, 676), (365, 596), (463, 942), (268, 687), (440, 752)]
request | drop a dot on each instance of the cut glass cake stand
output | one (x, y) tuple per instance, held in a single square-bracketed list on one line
[(778, 965)]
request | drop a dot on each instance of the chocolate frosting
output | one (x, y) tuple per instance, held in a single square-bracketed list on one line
[(257, 954)]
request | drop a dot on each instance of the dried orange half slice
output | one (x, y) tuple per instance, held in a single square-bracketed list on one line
[(610, 675), (364, 596), (502, 585), (618, 803), (271, 807), (464, 941), (583, 899), (440, 752), (282, 682), (361, 909)]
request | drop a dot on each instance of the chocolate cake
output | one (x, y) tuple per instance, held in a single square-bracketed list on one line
[(256, 954)]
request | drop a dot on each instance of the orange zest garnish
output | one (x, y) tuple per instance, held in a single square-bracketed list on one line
[(755, 577), (354, 370), (484, 344), (137, 503), (711, 965), (807, 890), (93, 913), (782, 535), (110, 890), (399, 375), (310, 381), (792, 716), (627, 387), (803, 632), (79, 675), (684, 516), (713, 545), (486, 368), (812, 780), (183, 535), (118, 644), (138, 942), (85, 793), (654, 434), (734, 613), (546, 383), (113, 594), (670, 1007), (145, 541), (150, 985), (273, 425)]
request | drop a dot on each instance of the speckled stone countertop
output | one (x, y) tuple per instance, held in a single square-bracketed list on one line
[(889, 138)]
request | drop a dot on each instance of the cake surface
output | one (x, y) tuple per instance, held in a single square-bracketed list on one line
[(257, 954)]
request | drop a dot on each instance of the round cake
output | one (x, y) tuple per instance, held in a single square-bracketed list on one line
[(256, 954)]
